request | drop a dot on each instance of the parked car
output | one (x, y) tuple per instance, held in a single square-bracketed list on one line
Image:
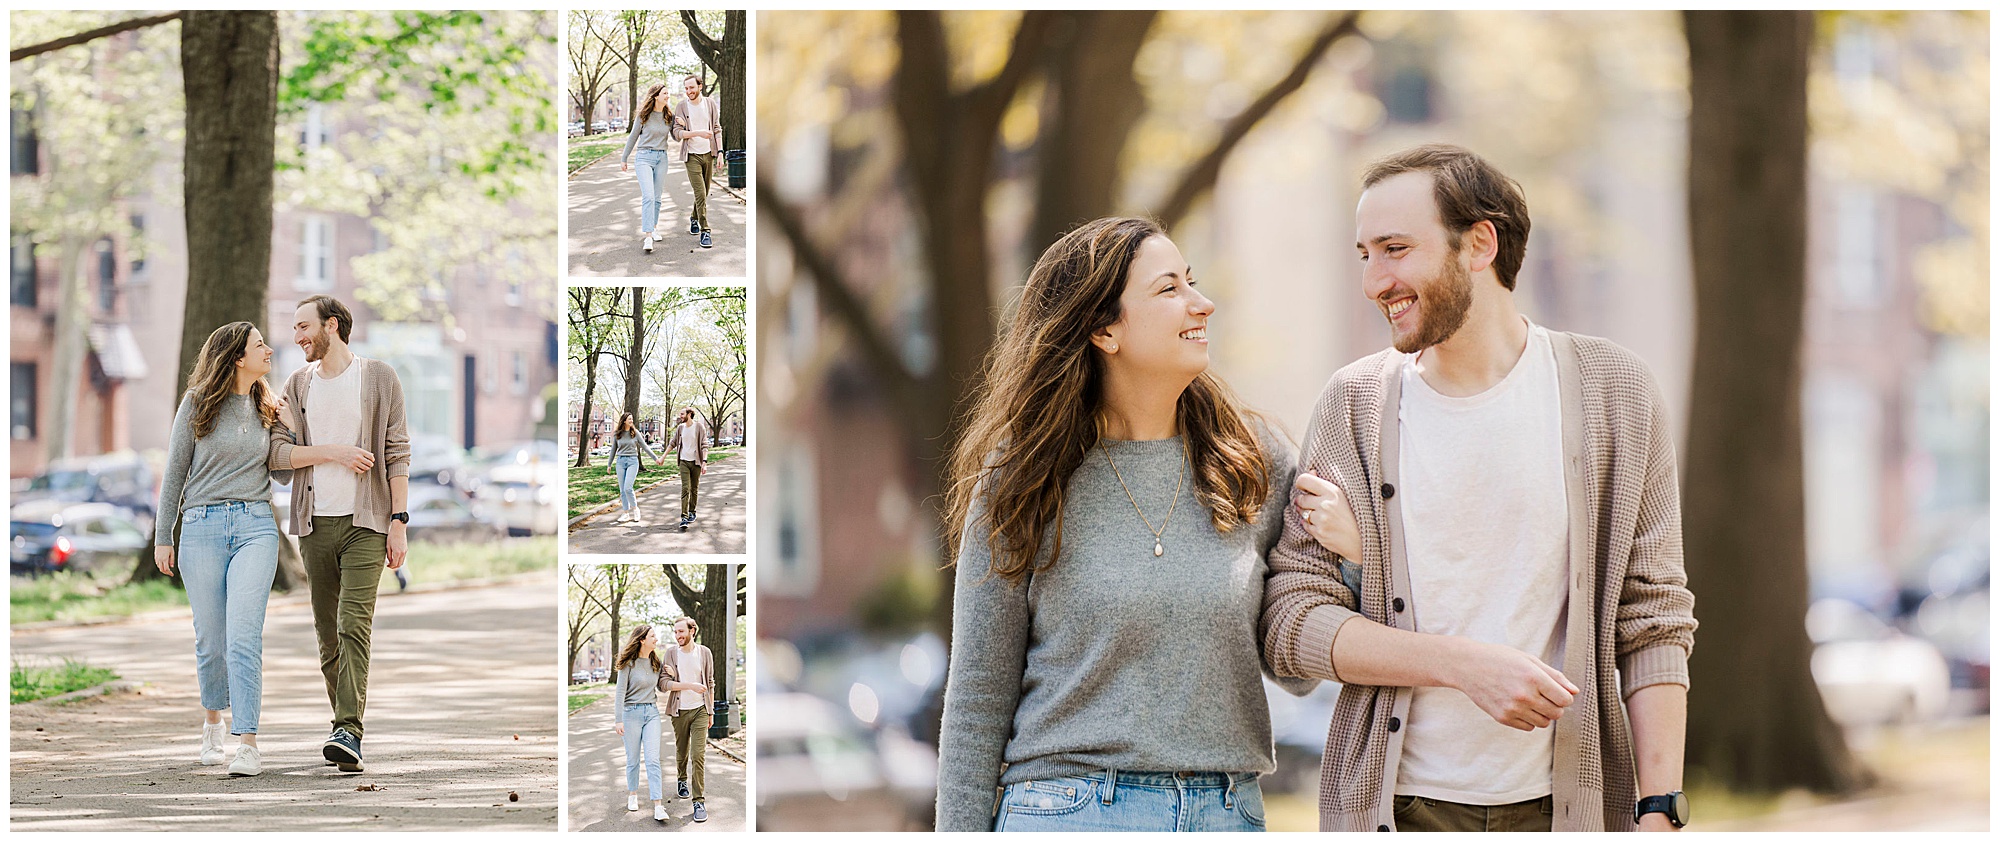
[(1868, 672), (818, 768), (90, 538), (120, 479), (524, 498), (437, 459), (579, 677), (439, 515)]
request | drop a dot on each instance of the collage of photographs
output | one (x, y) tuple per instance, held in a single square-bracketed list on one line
[(792, 421)]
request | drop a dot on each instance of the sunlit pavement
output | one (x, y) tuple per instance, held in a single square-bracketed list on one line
[(604, 227), (721, 528), (597, 781)]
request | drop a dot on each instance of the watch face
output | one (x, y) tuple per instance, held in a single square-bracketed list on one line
[(1680, 814)]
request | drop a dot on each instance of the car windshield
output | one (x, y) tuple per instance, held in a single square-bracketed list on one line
[(61, 481), (29, 529)]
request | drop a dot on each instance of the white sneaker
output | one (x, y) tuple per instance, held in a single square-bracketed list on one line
[(632, 803), (646, 243), (636, 520), (248, 761), (211, 744), (659, 812)]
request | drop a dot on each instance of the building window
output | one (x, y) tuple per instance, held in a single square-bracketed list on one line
[(315, 254), (490, 383), (21, 401), (314, 134), (21, 292), (520, 373), (24, 155), (137, 246), (107, 275)]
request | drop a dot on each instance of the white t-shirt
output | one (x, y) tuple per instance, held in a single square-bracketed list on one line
[(1486, 526), (690, 443), (689, 670), (697, 111), (333, 416)]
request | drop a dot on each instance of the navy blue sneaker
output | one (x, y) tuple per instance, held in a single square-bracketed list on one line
[(706, 242), (700, 812), (682, 790), (343, 749), (693, 226)]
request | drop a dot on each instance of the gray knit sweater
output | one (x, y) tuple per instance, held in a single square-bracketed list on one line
[(227, 464), (651, 133), (1112, 658), (638, 684), (631, 446)]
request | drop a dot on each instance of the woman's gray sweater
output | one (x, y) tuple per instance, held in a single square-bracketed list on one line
[(638, 684), (1112, 658), (230, 463), (630, 446), (651, 133)]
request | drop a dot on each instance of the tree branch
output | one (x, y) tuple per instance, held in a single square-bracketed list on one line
[(88, 36), (1201, 176), (836, 295), (709, 50), (988, 101)]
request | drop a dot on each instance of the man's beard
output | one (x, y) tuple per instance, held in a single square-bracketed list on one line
[(317, 352), (1446, 301)]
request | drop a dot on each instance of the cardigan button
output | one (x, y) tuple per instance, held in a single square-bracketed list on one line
[(1388, 491), (1395, 725), (1397, 604)]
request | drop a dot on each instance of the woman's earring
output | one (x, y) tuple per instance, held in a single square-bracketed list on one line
[(1112, 350)]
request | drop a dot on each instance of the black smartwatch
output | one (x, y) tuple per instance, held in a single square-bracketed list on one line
[(1674, 804), (401, 516)]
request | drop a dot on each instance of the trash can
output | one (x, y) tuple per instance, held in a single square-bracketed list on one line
[(718, 723), (739, 168)]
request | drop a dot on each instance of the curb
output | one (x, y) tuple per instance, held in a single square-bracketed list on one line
[(116, 685), (293, 598), (731, 754)]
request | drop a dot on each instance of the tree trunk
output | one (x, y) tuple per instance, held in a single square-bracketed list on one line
[(229, 68), (1094, 103), (729, 59), (66, 378), (635, 354), (1756, 721)]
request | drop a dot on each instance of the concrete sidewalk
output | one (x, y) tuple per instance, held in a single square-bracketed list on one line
[(597, 782), (604, 227), (721, 528), (462, 712)]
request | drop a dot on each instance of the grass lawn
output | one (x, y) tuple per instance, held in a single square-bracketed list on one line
[(27, 684), (581, 695), (594, 485), (66, 596), (583, 150)]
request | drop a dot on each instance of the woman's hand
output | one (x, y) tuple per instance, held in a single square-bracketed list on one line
[(163, 558), (619, 727), (1328, 518)]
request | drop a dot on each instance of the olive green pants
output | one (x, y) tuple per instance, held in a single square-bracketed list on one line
[(1420, 814), (344, 567), (691, 747), (690, 486), (701, 176)]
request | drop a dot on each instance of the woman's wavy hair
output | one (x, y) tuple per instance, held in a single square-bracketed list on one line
[(648, 105), (623, 420), (214, 379), (1034, 412), (630, 651)]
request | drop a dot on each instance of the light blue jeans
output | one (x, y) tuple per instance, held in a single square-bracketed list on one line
[(628, 478), (642, 741), (1115, 800), (651, 167), (228, 555)]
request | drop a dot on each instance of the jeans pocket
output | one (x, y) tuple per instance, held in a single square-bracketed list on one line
[(1050, 797), (1250, 803), (1407, 804)]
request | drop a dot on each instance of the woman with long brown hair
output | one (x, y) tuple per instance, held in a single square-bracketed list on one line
[(636, 713), (626, 445), (652, 130), (217, 489), (1111, 505)]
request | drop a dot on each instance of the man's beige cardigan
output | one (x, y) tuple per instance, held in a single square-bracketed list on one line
[(385, 432), (670, 671), (1629, 605)]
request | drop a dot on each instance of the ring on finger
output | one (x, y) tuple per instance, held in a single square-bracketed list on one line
[(1309, 517)]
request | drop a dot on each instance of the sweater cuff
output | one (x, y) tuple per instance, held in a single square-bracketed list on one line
[(281, 457), (1663, 664), (1314, 654)]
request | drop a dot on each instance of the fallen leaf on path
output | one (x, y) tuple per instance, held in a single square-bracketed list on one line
[(513, 796), (370, 788)]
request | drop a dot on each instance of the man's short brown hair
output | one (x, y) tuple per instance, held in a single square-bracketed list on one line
[(329, 307), (1467, 190)]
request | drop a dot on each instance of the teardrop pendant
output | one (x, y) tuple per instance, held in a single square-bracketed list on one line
[(1158, 549)]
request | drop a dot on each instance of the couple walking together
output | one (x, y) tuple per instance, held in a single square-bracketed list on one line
[(689, 443), (692, 128), (338, 435), (1480, 542), (680, 685)]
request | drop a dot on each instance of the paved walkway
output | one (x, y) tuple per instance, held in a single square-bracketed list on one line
[(604, 227), (462, 711), (719, 530), (597, 782)]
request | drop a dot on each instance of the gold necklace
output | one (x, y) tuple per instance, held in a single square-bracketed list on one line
[(1159, 548)]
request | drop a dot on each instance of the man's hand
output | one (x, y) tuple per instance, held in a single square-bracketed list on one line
[(1328, 518), (1513, 687), (352, 458), (399, 544), (163, 558)]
